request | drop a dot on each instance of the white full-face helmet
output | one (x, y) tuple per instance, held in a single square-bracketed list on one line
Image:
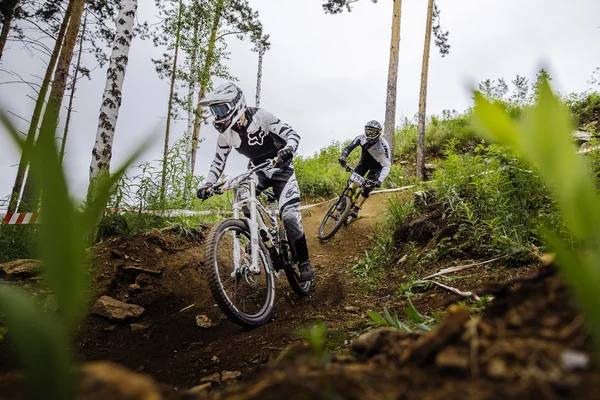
[(227, 104)]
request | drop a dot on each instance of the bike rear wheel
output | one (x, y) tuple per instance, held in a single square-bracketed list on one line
[(292, 272), (245, 296), (335, 217)]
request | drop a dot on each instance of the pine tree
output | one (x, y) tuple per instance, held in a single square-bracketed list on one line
[(338, 6), (49, 123), (170, 102), (442, 43), (8, 10), (76, 70), (39, 104)]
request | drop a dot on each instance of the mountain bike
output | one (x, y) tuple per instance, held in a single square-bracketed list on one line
[(244, 253), (339, 213)]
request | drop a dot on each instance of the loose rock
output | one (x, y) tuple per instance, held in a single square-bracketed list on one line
[(452, 358), (223, 377), (104, 380), (497, 369), (431, 343), (203, 321), (134, 288), (116, 310), (140, 327), (375, 341), (20, 268), (143, 280), (203, 388)]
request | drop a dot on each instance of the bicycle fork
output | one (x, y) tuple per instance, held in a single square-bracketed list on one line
[(253, 226)]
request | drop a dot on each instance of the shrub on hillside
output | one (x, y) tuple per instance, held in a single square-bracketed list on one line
[(493, 201), (437, 133)]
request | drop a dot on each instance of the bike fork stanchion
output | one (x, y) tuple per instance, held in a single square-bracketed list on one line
[(253, 228), (237, 249)]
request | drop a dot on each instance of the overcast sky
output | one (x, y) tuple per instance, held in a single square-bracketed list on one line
[(326, 75)]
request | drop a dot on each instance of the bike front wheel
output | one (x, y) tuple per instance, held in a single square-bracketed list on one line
[(244, 293), (335, 217)]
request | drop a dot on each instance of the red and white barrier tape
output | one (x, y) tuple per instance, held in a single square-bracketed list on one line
[(32, 218), (19, 218), (588, 149)]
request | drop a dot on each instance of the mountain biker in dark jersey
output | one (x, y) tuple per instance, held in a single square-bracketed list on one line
[(259, 135), (376, 159)]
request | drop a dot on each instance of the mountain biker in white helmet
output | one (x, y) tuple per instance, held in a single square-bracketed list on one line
[(259, 135), (376, 159)]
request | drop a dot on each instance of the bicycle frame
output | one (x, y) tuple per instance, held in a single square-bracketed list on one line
[(258, 213)]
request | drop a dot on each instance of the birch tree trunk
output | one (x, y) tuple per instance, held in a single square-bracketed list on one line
[(390, 104), (51, 113), (37, 112), (170, 106), (259, 77), (205, 79), (423, 94), (111, 99), (73, 88)]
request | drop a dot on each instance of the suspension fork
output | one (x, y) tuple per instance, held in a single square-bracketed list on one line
[(253, 227)]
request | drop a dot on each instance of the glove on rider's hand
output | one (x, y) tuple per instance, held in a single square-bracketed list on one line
[(342, 161), (204, 192), (285, 155), (377, 183)]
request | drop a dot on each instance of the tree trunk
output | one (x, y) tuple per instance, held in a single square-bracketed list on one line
[(73, 88), (5, 30), (205, 79), (111, 99), (423, 95), (37, 111), (191, 89), (259, 77), (390, 104), (51, 113), (170, 106)]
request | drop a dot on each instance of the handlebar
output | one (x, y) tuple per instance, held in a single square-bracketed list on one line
[(368, 182), (267, 164)]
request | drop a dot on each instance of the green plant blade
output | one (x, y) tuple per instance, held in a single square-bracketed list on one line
[(42, 346), (376, 318), (413, 314), (61, 236)]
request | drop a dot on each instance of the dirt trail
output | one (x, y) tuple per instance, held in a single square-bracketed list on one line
[(526, 319), (174, 350)]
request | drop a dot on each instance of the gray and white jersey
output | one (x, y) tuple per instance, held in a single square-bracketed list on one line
[(374, 155), (259, 138)]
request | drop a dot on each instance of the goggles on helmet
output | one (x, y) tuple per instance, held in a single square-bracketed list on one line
[(221, 110), (372, 133)]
